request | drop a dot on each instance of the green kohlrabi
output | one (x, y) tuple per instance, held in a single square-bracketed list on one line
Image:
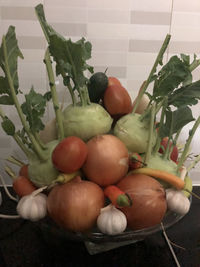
[(82, 119), (41, 170)]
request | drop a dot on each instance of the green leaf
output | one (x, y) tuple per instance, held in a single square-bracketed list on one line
[(186, 95), (71, 56), (13, 52), (8, 126), (176, 120), (34, 108), (6, 100), (170, 77)]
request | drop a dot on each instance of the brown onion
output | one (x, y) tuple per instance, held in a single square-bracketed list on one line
[(75, 205), (107, 160), (148, 201)]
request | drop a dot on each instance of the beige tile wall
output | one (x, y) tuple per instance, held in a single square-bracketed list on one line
[(126, 36)]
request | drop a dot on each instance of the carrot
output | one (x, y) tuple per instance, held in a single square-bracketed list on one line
[(172, 179), (135, 161), (117, 196)]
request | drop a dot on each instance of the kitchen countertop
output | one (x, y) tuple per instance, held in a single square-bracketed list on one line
[(23, 243)]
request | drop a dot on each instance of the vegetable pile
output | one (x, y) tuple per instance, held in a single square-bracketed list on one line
[(105, 160)]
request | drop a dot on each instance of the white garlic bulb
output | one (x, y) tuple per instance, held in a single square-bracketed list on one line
[(111, 220)]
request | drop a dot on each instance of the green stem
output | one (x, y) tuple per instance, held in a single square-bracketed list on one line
[(36, 146), (15, 161), (26, 151), (10, 172), (153, 70), (194, 65), (16, 137), (71, 91), (188, 142), (192, 165), (151, 129), (158, 141), (54, 95), (166, 154)]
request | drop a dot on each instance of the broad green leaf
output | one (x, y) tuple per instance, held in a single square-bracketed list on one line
[(187, 95), (176, 120), (170, 77), (71, 56), (8, 126), (13, 52), (34, 108)]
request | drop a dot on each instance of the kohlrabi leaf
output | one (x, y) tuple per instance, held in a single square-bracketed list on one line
[(34, 108), (8, 126), (187, 95), (9, 52), (70, 57), (170, 77), (175, 121)]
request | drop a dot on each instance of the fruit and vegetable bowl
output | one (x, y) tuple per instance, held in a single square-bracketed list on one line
[(106, 168)]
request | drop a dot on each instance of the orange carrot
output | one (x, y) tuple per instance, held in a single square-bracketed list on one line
[(117, 196), (163, 175)]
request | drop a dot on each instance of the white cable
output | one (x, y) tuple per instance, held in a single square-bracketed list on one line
[(170, 247)]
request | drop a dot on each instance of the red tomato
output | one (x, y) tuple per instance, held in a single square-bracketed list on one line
[(24, 171), (113, 81), (117, 100), (70, 154), (23, 186), (174, 153)]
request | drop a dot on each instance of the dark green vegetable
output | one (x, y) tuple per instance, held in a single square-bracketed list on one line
[(97, 85)]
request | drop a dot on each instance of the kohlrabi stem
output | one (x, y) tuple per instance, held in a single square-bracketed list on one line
[(151, 129), (16, 137), (166, 154), (36, 146), (153, 70), (18, 140), (158, 140), (15, 161), (193, 164), (71, 91), (188, 142), (194, 65), (54, 95)]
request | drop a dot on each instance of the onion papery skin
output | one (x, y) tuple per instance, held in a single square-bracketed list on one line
[(148, 201), (75, 205), (107, 160)]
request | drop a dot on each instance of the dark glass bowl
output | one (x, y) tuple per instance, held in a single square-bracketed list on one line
[(97, 242)]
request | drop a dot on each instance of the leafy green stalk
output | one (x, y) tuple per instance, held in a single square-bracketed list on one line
[(166, 154), (193, 164), (153, 70), (36, 146), (9, 128), (70, 58), (188, 142), (162, 117), (54, 95), (151, 129), (15, 161)]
